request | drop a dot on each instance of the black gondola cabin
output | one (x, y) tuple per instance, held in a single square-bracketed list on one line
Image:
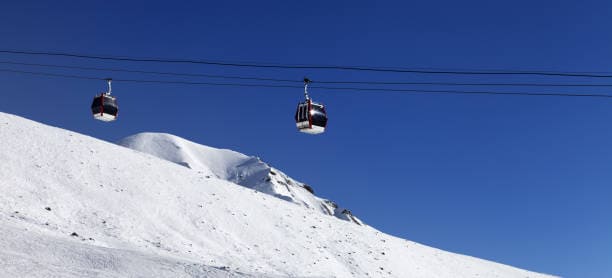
[(310, 117), (104, 106)]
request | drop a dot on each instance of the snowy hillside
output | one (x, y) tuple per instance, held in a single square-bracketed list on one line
[(75, 206), (235, 167)]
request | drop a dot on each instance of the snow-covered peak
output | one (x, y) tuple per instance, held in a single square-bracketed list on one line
[(235, 167), (208, 160)]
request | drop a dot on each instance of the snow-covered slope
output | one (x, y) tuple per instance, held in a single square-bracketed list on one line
[(74, 206), (235, 167), (29, 253)]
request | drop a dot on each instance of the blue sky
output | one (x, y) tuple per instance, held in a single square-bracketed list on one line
[(519, 180)]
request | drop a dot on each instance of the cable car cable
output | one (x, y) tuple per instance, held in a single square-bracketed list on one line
[(318, 87), (146, 81), (51, 74), (466, 92), (288, 66), (150, 72), (317, 82), (465, 84)]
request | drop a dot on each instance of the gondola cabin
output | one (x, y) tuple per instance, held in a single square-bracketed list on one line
[(310, 117), (105, 108)]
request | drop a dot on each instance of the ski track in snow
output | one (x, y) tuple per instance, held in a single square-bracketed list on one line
[(75, 206)]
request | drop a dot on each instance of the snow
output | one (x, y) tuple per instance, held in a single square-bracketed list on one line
[(75, 206), (235, 167), (35, 254)]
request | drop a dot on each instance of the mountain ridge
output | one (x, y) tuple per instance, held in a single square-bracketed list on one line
[(248, 171)]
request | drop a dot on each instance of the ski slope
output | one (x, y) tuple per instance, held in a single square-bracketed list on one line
[(75, 206)]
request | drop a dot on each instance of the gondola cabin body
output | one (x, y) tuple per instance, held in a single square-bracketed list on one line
[(311, 117), (105, 108)]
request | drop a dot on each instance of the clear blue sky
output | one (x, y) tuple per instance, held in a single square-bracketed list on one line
[(519, 180)]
